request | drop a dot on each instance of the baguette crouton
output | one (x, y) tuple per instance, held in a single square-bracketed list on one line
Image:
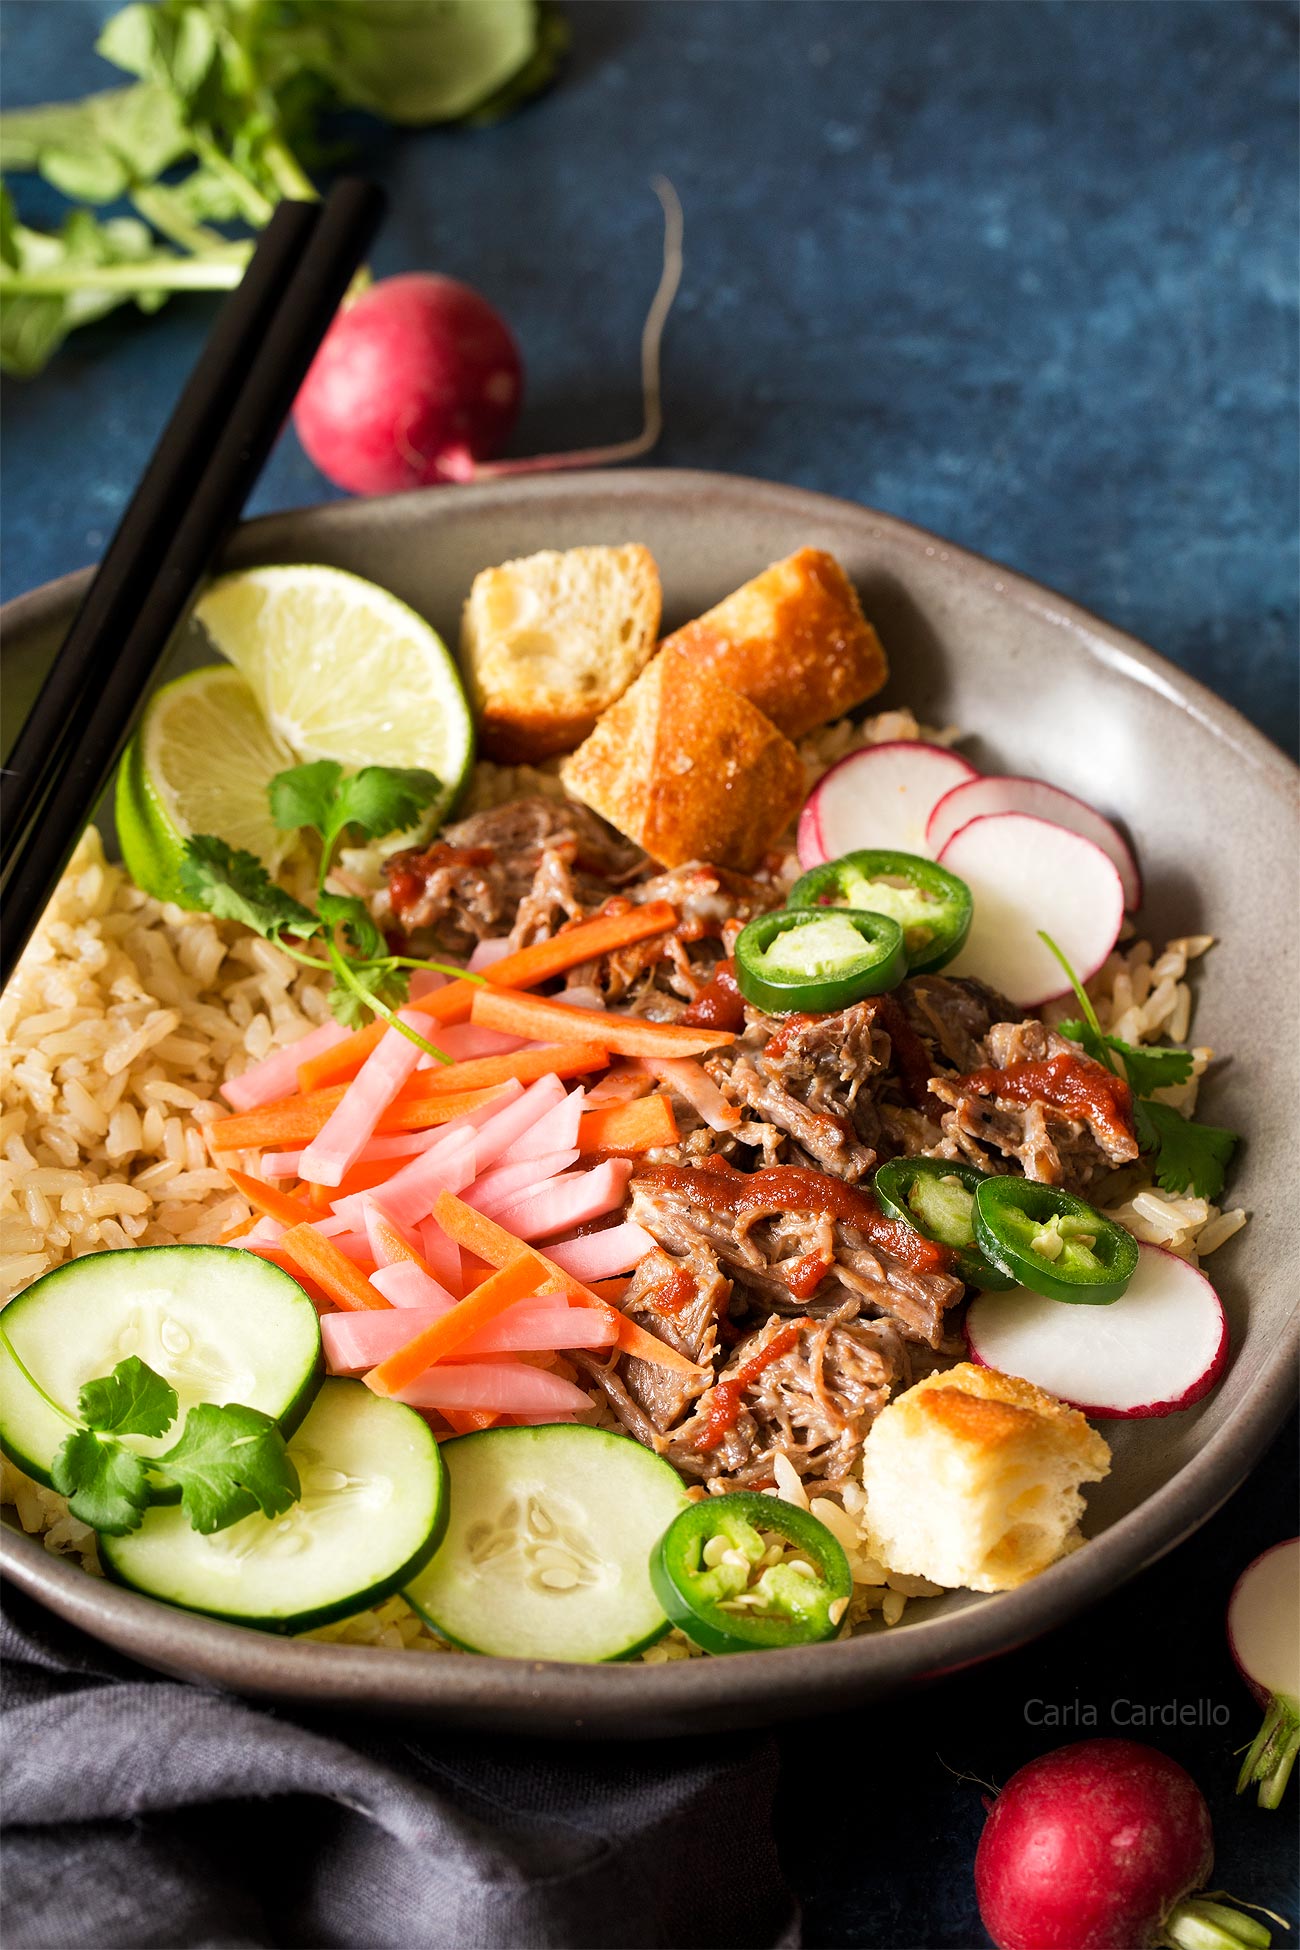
[(548, 642), (688, 769), (793, 641), (972, 1479)]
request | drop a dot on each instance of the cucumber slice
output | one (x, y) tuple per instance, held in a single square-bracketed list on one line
[(547, 1555), (218, 1324), (373, 1507)]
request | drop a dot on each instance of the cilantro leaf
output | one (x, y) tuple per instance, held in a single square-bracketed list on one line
[(235, 886), (133, 1400), (1187, 1156), (350, 912), (228, 1462), (1145, 1069), (107, 1485), (364, 989), (382, 799), (305, 794)]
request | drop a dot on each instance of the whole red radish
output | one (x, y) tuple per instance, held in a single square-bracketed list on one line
[(415, 380), (1100, 1846)]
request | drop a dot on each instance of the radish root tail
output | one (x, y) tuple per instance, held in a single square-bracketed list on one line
[(652, 333)]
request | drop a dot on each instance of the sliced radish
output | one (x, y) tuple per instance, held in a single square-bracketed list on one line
[(406, 1285), (505, 1387), (409, 1195), (1025, 875), (880, 796), (356, 1341), (978, 797), (600, 1255), (500, 1132), (566, 1202), (277, 1075), (506, 1184), (441, 1256), (1264, 1639), (337, 1146), (1159, 1347), (463, 1040), (539, 1327), (556, 1131)]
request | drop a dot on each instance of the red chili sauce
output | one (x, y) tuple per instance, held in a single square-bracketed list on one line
[(719, 1004), (793, 1188), (673, 1295), (1069, 1083), (804, 1276), (722, 1407), (409, 873)]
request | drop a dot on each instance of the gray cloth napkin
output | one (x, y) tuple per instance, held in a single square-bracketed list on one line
[(142, 1812)]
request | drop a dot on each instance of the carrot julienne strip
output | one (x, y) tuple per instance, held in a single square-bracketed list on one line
[(441, 1338), (493, 1243), (267, 1200), (569, 949), (639, 1126), (334, 1273), (536, 1017), (295, 1119), (521, 1066)]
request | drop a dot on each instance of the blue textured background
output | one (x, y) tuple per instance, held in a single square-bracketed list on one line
[(1024, 274)]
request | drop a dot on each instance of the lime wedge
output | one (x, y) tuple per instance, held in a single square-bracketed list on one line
[(200, 762), (343, 670)]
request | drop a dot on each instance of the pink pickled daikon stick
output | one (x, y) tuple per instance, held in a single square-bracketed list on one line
[(684, 1075), (441, 1256), (406, 1285), (355, 1342), (409, 1195), (505, 1387), (601, 1255), (277, 1076), (505, 1184), (488, 952), (464, 1040), (556, 1131), (565, 1202), (424, 981), (500, 1131), (335, 1149), (534, 1328)]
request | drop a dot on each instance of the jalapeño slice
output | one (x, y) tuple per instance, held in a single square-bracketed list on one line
[(814, 961), (720, 1576), (937, 1199), (1053, 1243), (932, 906)]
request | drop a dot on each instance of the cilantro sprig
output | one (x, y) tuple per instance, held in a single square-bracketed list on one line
[(228, 1460), (323, 799), (1185, 1156)]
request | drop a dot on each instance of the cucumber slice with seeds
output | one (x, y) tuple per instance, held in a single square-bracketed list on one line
[(547, 1554), (373, 1507), (219, 1324)]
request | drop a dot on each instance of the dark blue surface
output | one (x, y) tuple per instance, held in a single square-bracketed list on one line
[(1024, 274)]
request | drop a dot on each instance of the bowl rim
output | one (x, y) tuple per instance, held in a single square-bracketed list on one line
[(641, 1700)]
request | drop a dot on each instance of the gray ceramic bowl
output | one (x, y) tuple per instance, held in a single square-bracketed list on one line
[(1042, 688)]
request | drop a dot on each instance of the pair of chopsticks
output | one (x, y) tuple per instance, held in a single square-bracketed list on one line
[(191, 494)]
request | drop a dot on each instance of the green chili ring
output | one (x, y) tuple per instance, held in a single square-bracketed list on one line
[(796, 1608), (829, 971), (937, 1199), (933, 908), (1094, 1261)]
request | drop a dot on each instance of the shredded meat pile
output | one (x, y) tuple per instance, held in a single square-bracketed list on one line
[(800, 1316)]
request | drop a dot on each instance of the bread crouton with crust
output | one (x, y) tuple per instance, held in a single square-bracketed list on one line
[(688, 769), (793, 641), (972, 1479), (548, 642)]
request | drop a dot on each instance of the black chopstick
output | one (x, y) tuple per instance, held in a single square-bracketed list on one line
[(86, 716)]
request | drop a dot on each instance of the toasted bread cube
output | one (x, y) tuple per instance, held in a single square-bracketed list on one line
[(972, 1479), (688, 769), (548, 642), (793, 641)]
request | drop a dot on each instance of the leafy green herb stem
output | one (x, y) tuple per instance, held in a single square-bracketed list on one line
[(344, 971), (1084, 1001), (141, 274)]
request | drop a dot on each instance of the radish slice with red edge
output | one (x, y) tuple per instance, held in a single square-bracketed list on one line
[(1264, 1639), (880, 796), (1158, 1348), (976, 797), (1027, 875)]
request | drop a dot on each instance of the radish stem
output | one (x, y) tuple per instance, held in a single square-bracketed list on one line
[(1199, 1924), (1273, 1751)]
